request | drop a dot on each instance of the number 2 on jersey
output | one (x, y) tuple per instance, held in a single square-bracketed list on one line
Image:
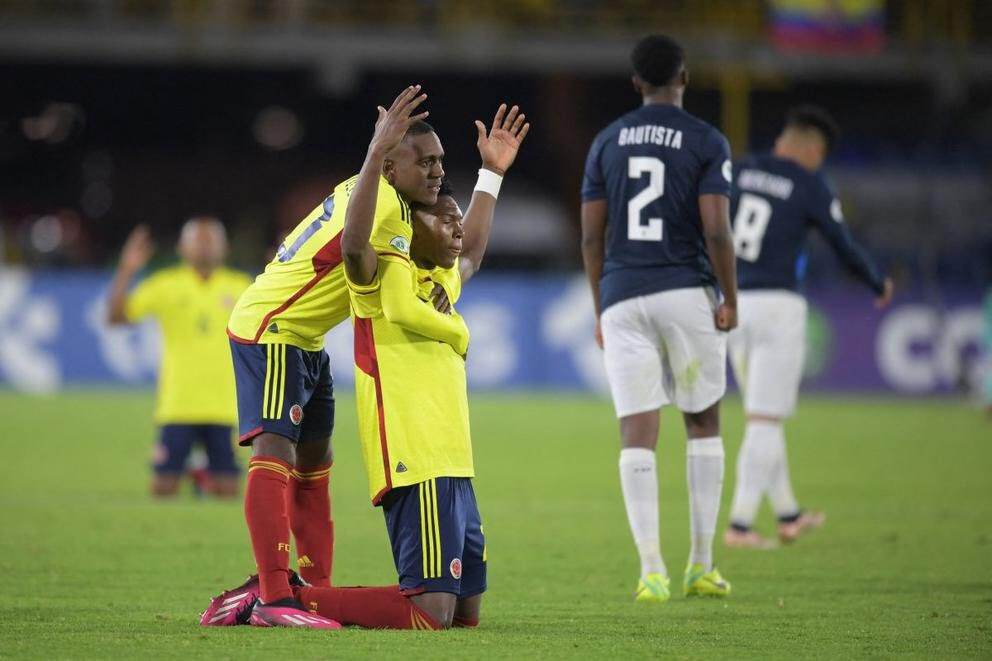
[(750, 225), (636, 167)]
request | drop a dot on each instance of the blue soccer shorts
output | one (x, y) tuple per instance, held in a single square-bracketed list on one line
[(436, 534), (284, 390), (176, 441)]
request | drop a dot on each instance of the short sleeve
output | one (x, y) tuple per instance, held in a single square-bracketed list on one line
[(717, 173), (392, 228), (364, 298), (593, 181), (145, 300)]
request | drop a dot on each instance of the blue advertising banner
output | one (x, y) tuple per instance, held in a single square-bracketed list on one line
[(528, 332)]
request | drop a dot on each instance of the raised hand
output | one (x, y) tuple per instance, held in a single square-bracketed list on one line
[(392, 124), (499, 148), (138, 249)]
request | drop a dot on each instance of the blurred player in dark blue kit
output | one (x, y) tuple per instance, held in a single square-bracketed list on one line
[(655, 241), (777, 199)]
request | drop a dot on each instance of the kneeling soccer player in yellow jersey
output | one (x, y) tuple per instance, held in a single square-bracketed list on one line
[(412, 399), (191, 303)]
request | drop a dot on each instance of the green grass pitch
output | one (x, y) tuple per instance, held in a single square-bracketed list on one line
[(91, 567)]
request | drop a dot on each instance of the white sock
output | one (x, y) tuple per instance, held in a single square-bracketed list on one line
[(639, 482), (704, 473), (780, 492), (758, 458)]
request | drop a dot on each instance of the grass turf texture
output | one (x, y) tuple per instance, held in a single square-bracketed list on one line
[(90, 566)]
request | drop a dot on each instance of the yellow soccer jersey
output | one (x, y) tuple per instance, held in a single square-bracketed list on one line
[(302, 293), (196, 379), (410, 388)]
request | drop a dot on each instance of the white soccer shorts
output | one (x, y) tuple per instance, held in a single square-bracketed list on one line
[(665, 349), (767, 350)]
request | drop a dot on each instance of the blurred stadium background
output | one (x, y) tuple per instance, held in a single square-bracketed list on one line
[(118, 112)]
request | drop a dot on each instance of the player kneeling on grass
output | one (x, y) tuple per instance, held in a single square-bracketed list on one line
[(412, 400), (413, 411), (191, 303)]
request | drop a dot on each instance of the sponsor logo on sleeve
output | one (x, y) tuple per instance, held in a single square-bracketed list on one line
[(401, 244), (835, 211)]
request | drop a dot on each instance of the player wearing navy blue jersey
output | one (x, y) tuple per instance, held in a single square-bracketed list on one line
[(655, 242), (777, 199)]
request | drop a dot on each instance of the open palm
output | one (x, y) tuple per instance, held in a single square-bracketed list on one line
[(499, 147)]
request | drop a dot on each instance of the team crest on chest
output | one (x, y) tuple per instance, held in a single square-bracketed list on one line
[(296, 414)]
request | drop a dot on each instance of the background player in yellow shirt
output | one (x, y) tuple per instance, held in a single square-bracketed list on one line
[(411, 393), (191, 303)]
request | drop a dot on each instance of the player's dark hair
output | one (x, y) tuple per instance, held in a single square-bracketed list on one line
[(815, 118), (657, 59), (420, 127)]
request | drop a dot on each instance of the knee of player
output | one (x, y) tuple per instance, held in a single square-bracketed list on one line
[(314, 454), (443, 615), (467, 613), (273, 445), (223, 486), (164, 486), (639, 430), (703, 424), (440, 607)]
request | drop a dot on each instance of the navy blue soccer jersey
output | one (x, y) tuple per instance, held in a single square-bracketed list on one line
[(651, 166), (774, 204)]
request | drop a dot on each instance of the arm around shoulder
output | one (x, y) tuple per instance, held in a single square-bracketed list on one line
[(402, 306)]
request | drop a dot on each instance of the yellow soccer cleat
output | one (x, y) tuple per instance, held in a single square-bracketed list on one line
[(699, 583), (653, 588)]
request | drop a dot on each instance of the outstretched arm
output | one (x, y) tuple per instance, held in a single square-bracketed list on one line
[(498, 150), (854, 257), (360, 259), (137, 251), (593, 250), (714, 210), (401, 306)]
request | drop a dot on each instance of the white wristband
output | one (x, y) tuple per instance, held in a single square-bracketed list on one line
[(489, 182)]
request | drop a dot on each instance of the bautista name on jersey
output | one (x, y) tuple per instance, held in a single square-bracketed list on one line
[(651, 165)]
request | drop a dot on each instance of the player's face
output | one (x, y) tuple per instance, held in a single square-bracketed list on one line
[(438, 233), (203, 243), (415, 168)]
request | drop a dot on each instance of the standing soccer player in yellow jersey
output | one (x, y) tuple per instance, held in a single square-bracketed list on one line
[(411, 390), (191, 302), (285, 393)]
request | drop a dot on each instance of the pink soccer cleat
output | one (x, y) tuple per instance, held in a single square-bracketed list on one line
[(288, 613), (790, 531), (232, 607)]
